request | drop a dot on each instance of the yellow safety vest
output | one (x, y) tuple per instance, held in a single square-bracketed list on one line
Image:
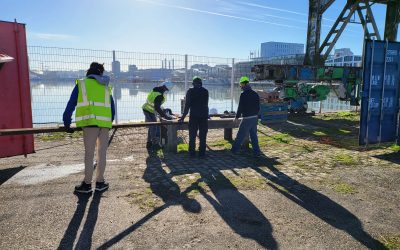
[(93, 107), (149, 104)]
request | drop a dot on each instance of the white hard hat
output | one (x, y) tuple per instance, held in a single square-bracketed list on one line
[(167, 85)]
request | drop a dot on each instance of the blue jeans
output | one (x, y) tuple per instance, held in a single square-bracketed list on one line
[(153, 133), (247, 126)]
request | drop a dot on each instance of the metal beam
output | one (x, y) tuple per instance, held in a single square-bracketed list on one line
[(392, 20), (312, 56), (337, 29)]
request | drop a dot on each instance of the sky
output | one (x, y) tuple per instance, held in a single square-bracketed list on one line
[(219, 28)]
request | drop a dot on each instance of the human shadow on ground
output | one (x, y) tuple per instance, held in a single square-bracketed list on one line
[(85, 238), (7, 173), (239, 213), (67, 242), (392, 157), (242, 216), (316, 203), (161, 185)]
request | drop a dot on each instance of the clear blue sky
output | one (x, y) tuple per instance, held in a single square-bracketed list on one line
[(223, 28)]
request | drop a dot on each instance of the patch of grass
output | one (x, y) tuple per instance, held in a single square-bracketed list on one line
[(282, 138), (144, 199), (307, 148), (345, 115), (247, 182), (160, 153), (221, 143), (344, 131), (59, 136), (345, 159), (392, 242), (344, 188), (183, 148), (319, 133), (395, 148)]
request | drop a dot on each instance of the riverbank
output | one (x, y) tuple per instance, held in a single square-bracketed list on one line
[(314, 188)]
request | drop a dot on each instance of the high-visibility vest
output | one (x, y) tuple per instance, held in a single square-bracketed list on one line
[(93, 107), (149, 104)]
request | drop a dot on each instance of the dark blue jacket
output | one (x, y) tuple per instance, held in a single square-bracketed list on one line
[(197, 101), (249, 103), (73, 100)]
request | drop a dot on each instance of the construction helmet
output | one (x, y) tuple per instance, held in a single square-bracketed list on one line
[(197, 80), (244, 80), (167, 85)]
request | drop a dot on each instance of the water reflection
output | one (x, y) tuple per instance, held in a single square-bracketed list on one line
[(49, 99)]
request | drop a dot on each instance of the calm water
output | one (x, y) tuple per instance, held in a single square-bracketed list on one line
[(49, 100)]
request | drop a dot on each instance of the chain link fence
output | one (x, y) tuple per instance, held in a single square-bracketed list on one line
[(53, 72)]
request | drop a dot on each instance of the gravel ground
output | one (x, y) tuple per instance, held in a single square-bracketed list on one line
[(314, 188)]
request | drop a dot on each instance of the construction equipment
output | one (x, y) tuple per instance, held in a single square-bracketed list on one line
[(299, 84)]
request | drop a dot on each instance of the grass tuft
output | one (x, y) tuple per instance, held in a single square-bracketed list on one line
[(345, 159), (344, 188)]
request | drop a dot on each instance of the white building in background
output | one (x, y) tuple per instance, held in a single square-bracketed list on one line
[(274, 49), (344, 57)]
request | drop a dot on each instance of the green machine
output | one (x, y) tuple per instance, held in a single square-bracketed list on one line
[(300, 84)]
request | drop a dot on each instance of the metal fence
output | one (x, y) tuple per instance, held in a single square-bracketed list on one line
[(53, 72)]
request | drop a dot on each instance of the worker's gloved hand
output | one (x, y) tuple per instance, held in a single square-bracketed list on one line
[(68, 129)]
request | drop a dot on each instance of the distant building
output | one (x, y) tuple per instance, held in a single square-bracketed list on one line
[(344, 57), (343, 52), (275, 49), (132, 68), (116, 67)]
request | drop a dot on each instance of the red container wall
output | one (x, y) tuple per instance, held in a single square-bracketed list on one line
[(15, 98)]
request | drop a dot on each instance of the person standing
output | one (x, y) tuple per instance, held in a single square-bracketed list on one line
[(92, 97), (151, 108), (197, 103), (249, 106)]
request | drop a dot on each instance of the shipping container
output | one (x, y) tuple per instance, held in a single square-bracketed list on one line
[(15, 99), (274, 112), (380, 93)]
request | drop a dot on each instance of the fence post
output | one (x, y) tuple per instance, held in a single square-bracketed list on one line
[(186, 73), (232, 81), (115, 107)]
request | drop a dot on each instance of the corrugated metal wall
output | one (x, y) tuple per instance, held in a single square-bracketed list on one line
[(380, 93), (15, 99)]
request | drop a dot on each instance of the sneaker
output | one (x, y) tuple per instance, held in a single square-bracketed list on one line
[(101, 186), (83, 188)]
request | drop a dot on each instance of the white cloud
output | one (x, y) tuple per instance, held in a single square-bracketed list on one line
[(52, 37), (219, 14)]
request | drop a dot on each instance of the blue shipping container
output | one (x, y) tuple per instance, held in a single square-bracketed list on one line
[(380, 93), (273, 112)]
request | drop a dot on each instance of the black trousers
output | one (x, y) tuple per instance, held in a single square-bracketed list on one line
[(201, 125)]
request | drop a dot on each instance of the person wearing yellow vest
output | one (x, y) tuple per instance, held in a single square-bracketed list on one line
[(92, 98), (152, 108)]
